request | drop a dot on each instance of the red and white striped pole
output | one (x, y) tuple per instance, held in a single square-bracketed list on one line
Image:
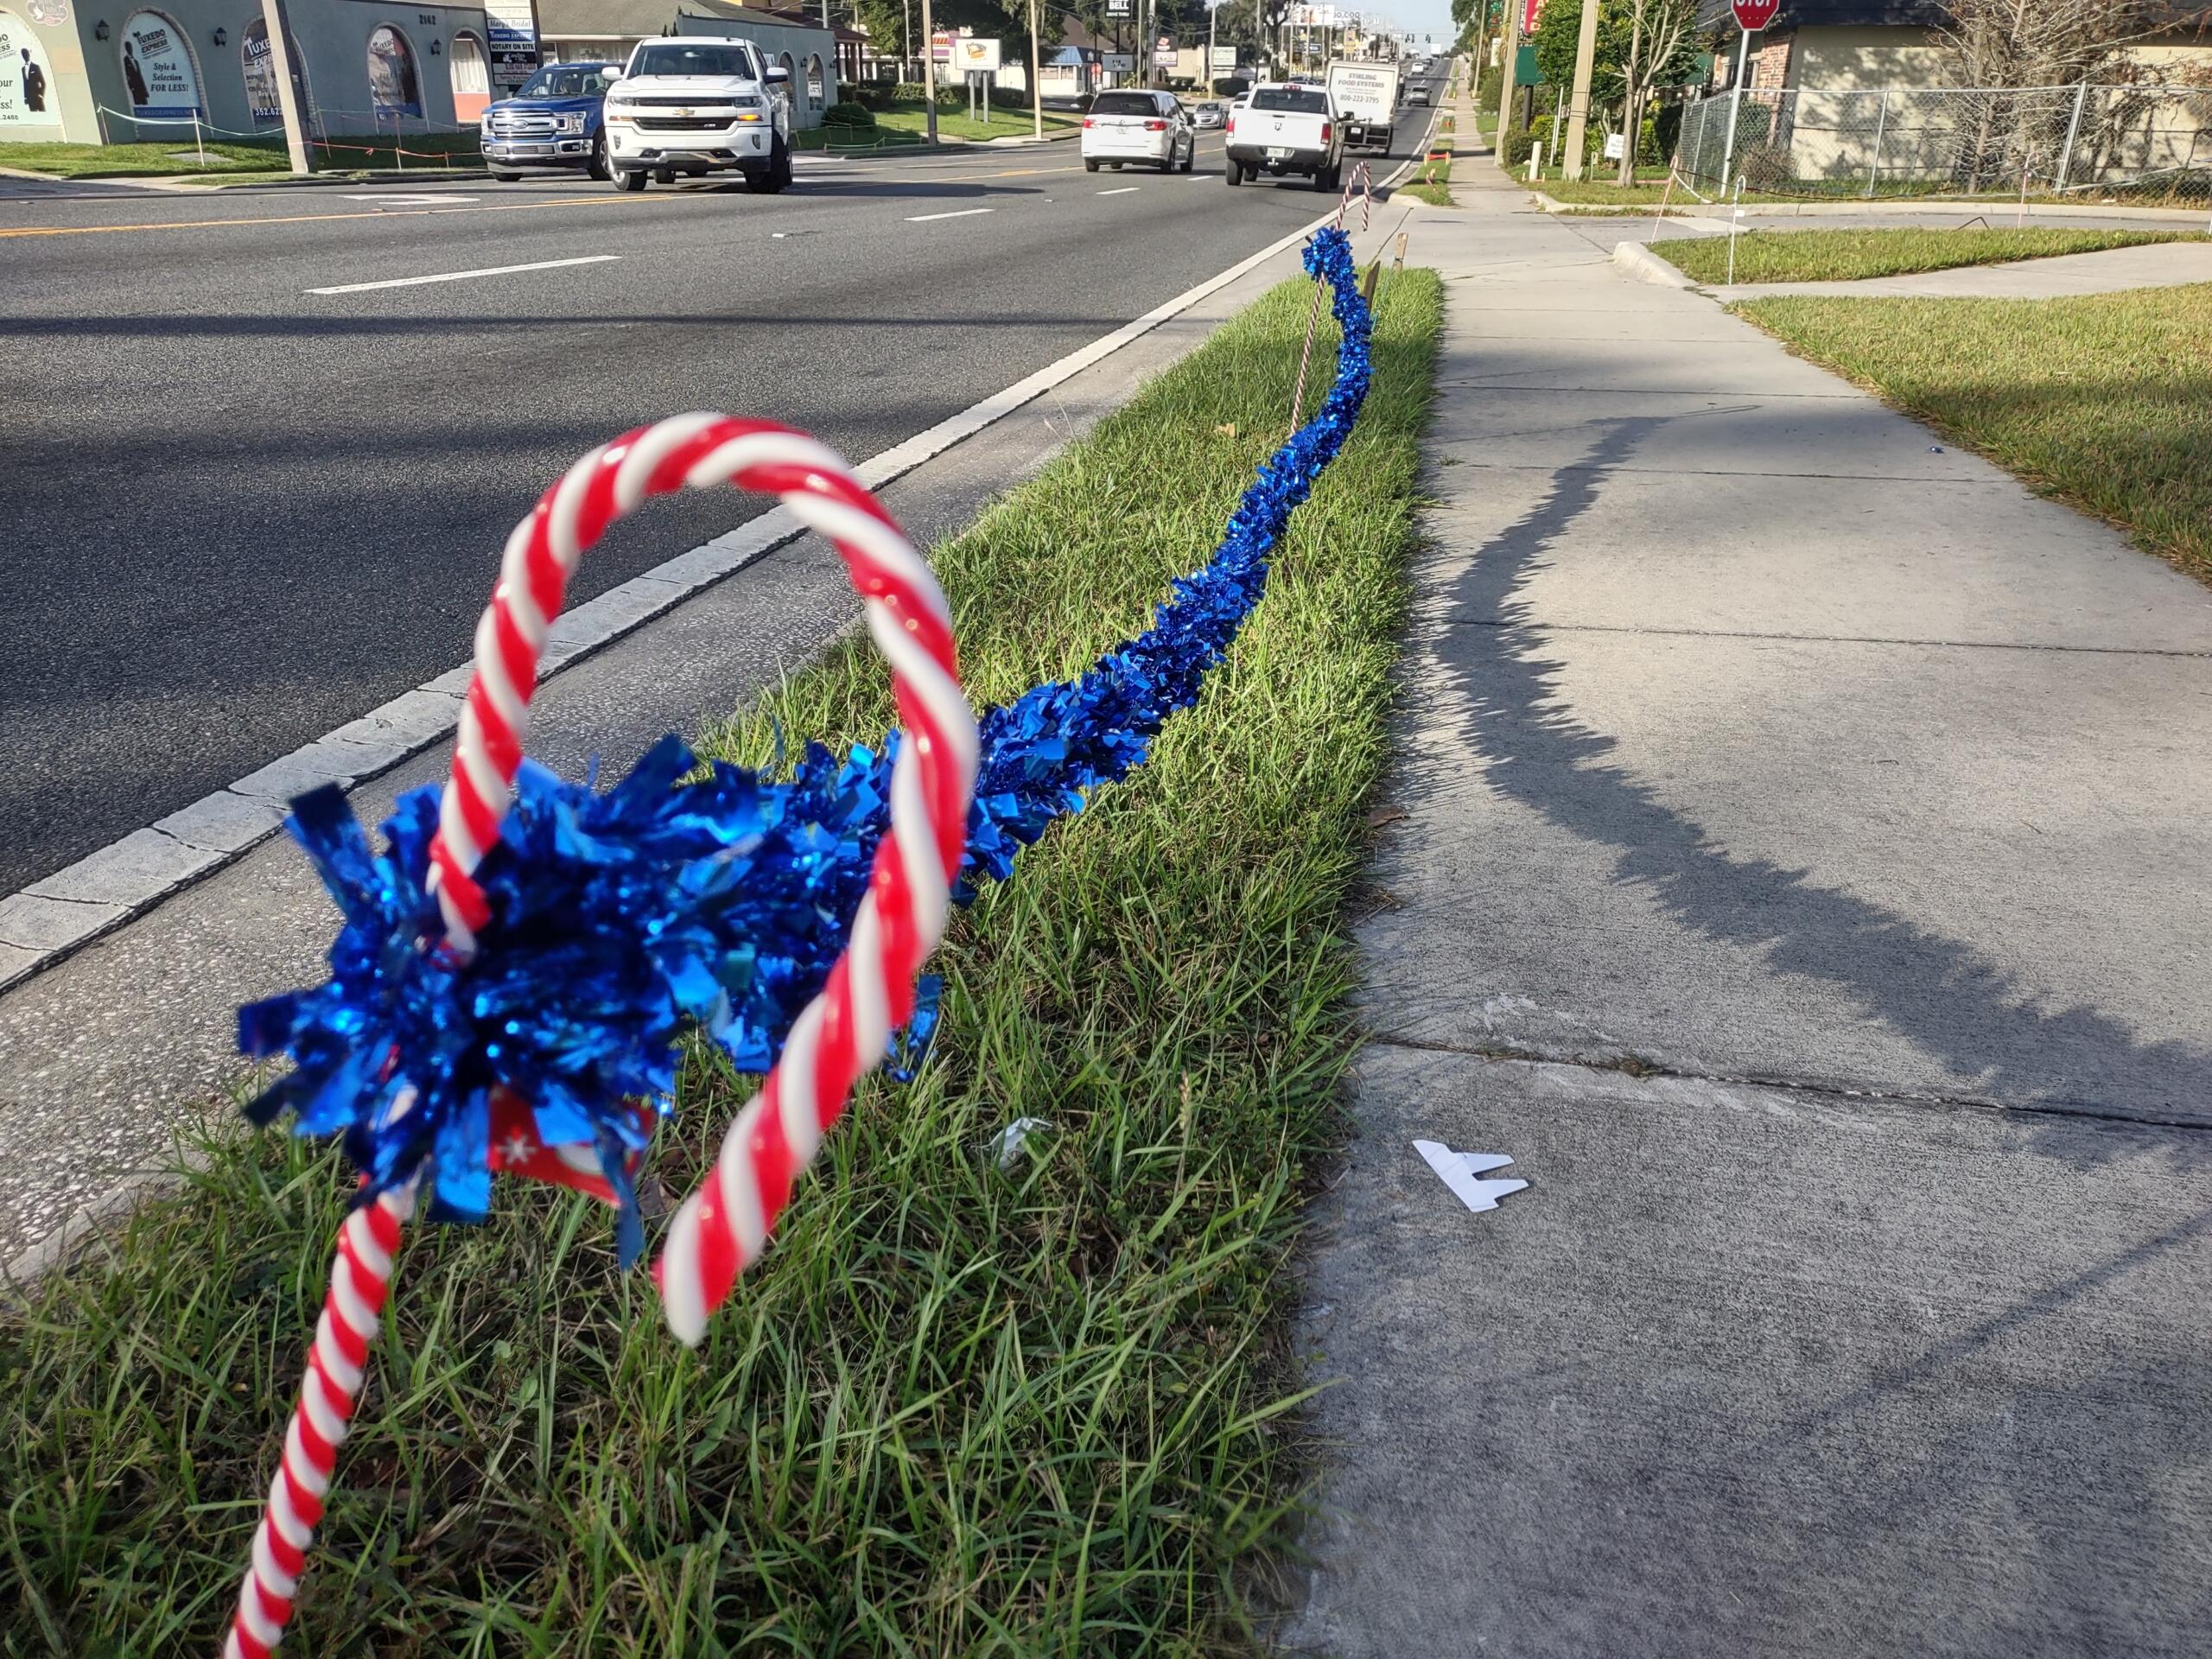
[(723, 1227), (911, 625), (1362, 180)]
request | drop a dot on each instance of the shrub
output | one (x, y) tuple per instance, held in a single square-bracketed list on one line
[(1514, 150), (848, 114)]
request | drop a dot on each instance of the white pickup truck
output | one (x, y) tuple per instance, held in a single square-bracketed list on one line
[(1287, 127), (694, 105), (1366, 99)]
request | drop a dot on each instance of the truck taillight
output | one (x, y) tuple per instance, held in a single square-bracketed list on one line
[(1087, 122), (1155, 126), (1325, 132)]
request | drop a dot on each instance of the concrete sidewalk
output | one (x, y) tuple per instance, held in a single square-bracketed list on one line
[(2156, 264), (1803, 874)]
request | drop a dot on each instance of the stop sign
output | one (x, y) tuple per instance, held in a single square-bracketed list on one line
[(1752, 16)]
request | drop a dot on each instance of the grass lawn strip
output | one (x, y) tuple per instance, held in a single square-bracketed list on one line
[(1431, 182), (165, 160), (1850, 256), (2104, 399), (957, 1410)]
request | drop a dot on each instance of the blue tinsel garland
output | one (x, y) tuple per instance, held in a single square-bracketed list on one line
[(620, 918)]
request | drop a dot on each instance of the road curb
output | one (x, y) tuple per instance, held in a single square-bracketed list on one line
[(1638, 263)]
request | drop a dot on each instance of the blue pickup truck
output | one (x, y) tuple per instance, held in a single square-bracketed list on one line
[(554, 121)]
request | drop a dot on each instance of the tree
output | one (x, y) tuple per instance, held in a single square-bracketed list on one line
[(1652, 42), (1660, 48), (2004, 49)]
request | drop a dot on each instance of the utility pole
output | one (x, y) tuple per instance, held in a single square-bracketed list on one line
[(279, 64), (1036, 74), (929, 72), (1578, 111), (1511, 43), (1212, 17)]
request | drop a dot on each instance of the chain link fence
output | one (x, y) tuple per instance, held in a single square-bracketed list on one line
[(2145, 142)]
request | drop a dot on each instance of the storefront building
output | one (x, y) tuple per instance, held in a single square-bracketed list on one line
[(95, 71)]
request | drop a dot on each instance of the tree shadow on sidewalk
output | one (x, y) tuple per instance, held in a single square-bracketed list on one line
[(1949, 999)]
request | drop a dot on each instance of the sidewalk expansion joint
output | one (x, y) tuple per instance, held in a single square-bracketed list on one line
[(1637, 1066), (1833, 638), (1624, 470)]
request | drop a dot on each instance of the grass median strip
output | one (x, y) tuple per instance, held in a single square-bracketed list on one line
[(1851, 255), (1431, 182), (1044, 1410), (2103, 399)]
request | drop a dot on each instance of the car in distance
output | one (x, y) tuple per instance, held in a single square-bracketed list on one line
[(1138, 127), (697, 105), (553, 121), (1287, 127), (1417, 93), (1209, 114)]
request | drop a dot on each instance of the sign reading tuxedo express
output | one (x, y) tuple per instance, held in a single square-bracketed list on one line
[(511, 27), (26, 95), (157, 69)]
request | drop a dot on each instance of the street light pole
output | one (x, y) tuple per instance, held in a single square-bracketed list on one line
[(1036, 75), (1212, 17)]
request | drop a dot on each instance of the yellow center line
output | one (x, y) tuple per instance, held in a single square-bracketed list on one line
[(308, 219)]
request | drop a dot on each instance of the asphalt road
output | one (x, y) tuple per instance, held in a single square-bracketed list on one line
[(237, 512)]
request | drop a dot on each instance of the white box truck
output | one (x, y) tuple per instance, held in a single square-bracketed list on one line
[(1365, 97)]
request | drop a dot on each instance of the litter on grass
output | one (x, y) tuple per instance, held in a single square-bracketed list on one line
[(1007, 1145)]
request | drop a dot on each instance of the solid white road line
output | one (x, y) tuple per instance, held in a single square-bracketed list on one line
[(466, 276), (1125, 190), (965, 212), (412, 201)]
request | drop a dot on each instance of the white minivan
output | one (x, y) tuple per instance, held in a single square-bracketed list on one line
[(1149, 128)]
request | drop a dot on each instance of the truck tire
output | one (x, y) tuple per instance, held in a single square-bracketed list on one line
[(1091, 167), (778, 176), (599, 169), (633, 181), (1234, 173), (507, 178), (664, 175)]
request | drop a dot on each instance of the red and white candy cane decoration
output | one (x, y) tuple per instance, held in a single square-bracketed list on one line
[(1363, 182), (871, 990), (722, 1229)]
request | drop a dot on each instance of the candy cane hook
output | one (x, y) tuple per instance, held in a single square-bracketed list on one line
[(903, 915)]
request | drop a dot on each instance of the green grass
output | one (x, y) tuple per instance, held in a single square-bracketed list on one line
[(1430, 181), (132, 160), (1049, 1412), (234, 162), (908, 123), (2105, 400), (1846, 256)]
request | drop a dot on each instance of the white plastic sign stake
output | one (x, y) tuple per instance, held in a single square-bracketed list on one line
[(1459, 1170)]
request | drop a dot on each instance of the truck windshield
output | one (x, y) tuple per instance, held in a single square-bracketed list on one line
[(673, 58), (569, 80), (1303, 99)]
